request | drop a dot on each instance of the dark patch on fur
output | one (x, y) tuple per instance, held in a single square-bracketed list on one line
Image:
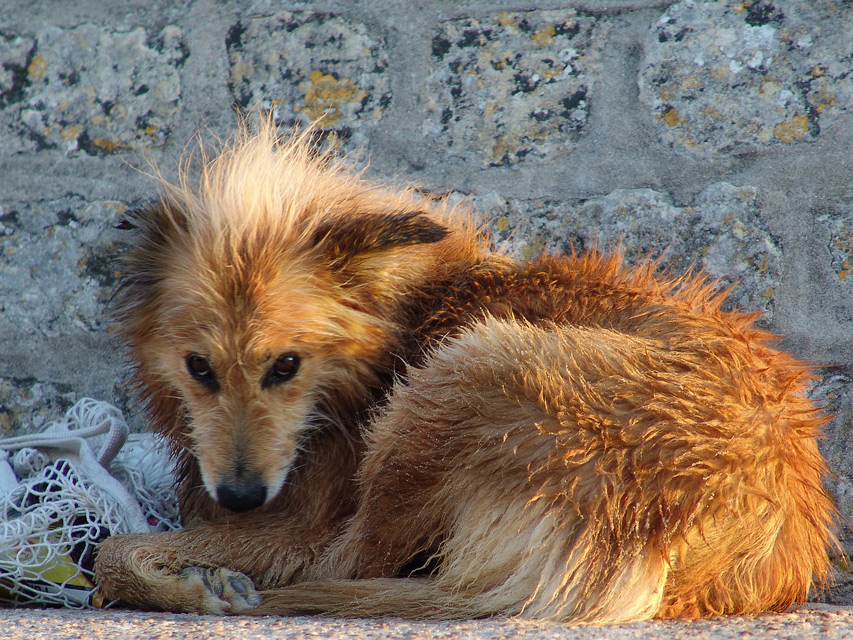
[(344, 238)]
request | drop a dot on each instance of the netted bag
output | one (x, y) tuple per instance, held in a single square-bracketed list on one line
[(60, 499)]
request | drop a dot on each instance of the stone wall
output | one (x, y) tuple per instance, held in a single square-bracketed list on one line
[(715, 133)]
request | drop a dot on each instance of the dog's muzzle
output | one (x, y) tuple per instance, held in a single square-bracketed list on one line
[(242, 495)]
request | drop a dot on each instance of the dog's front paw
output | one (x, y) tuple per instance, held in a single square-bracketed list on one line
[(153, 571), (225, 591)]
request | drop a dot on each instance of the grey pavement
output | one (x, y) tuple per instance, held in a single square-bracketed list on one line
[(830, 623)]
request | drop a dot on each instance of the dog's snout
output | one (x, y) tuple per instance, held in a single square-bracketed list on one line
[(242, 495)]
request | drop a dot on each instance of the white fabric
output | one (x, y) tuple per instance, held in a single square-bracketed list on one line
[(60, 499)]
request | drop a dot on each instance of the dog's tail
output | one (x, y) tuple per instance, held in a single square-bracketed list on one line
[(415, 598), (631, 590)]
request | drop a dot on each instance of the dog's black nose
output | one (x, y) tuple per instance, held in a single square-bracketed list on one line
[(242, 496)]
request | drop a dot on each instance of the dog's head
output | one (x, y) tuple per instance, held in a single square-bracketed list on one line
[(262, 298)]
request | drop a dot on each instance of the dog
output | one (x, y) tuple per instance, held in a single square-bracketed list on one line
[(373, 412)]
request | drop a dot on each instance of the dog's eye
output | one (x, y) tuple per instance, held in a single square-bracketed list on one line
[(282, 370), (201, 371)]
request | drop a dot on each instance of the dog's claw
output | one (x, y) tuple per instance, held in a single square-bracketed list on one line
[(229, 591)]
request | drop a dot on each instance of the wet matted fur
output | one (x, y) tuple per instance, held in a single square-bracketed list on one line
[(402, 421)]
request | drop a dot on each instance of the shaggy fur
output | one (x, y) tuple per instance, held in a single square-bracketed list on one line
[(403, 422)]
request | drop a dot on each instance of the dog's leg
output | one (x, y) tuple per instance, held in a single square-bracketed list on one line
[(214, 565), (160, 571), (150, 571), (212, 569)]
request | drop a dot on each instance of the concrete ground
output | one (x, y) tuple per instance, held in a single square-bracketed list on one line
[(828, 623)]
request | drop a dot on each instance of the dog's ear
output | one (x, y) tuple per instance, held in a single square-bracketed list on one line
[(155, 221), (342, 239)]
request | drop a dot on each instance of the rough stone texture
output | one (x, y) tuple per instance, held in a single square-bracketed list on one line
[(310, 68), (516, 84), (90, 88), (840, 247), (57, 275), (827, 623), (706, 133), (719, 76)]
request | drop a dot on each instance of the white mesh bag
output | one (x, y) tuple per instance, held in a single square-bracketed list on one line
[(59, 499)]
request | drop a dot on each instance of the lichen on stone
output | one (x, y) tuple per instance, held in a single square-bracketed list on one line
[(839, 228), (89, 89), (58, 264), (719, 76), (518, 85), (27, 405), (310, 68)]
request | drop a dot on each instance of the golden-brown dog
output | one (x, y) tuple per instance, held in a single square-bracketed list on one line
[(373, 413)]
